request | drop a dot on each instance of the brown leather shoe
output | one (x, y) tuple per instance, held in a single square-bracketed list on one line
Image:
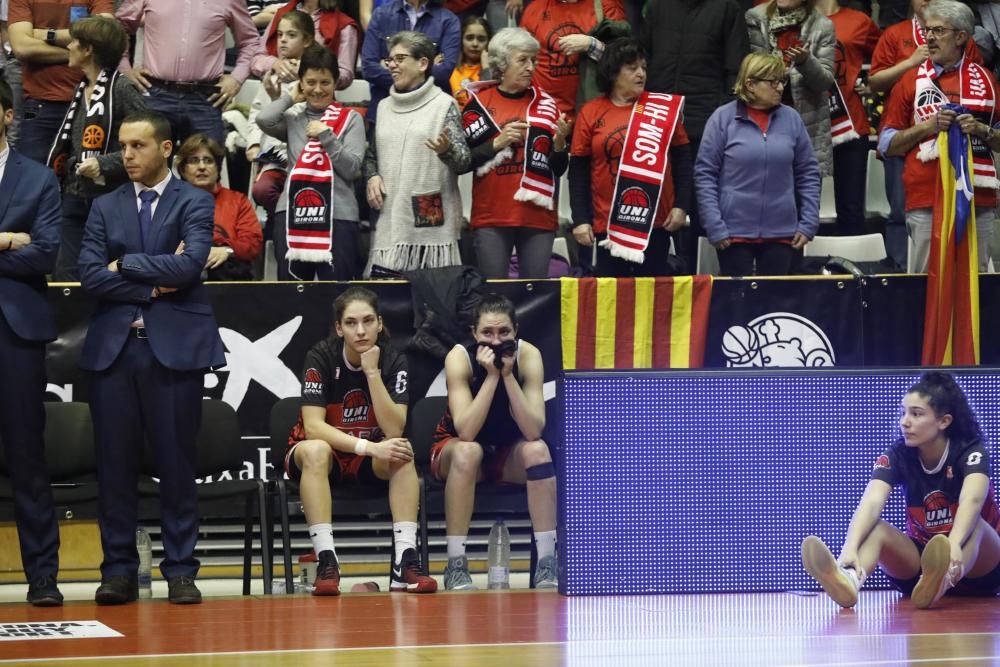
[(183, 591), (117, 590)]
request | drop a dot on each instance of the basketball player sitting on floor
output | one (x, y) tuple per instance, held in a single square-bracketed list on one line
[(354, 395), (492, 431)]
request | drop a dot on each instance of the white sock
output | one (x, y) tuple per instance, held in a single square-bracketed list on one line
[(321, 535), (456, 545), (405, 536), (545, 543)]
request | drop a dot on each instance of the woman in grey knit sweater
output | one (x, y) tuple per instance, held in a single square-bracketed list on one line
[(412, 165), (295, 119)]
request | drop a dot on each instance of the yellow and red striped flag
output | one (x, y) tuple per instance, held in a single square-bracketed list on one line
[(635, 322), (951, 315)]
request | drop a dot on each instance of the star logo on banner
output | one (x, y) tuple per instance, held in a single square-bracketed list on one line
[(258, 360)]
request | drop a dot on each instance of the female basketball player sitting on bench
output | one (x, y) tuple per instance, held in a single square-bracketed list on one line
[(492, 430), (951, 542)]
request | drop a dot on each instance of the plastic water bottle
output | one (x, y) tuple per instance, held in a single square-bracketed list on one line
[(499, 557), (145, 548)]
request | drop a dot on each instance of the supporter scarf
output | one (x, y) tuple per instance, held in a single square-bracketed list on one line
[(96, 132), (779, 23), (640, 174), (538, 183), (918, 33), (977, 96), (842, 127), (309, 212)]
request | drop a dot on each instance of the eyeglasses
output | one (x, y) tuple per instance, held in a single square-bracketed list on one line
[(399, 59), (193, 161), (938, 30), (774, 83)]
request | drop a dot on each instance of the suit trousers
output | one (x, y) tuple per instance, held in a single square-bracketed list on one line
[(134, 401), (22, 428)]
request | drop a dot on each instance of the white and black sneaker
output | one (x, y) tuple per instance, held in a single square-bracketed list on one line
[(407, 575)]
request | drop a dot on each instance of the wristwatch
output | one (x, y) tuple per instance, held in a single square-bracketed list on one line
[(50, 36)]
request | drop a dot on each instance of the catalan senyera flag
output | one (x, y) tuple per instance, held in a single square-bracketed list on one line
[(951, 316), (635, 322)]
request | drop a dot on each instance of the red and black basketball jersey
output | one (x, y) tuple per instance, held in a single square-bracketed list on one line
[(932, 498), (329, 381), (499, 429)]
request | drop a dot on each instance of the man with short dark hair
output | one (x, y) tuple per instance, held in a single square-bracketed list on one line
[(30, 216), (39, 35), (150, 340)]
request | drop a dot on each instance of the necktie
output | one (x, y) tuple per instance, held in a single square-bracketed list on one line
[(146, 215)]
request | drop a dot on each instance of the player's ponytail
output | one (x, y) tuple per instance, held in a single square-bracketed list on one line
[(945, 397)]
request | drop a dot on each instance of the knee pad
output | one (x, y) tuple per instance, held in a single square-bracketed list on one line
[(540, 471)]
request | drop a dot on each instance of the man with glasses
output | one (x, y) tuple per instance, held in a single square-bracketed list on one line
[(914, 116), (901, 48), (425, 16)]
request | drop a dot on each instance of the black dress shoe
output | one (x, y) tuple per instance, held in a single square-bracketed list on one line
[(183, 591), (117, 590), (43, 592)]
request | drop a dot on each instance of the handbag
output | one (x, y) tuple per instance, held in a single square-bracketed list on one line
[(605, 31)]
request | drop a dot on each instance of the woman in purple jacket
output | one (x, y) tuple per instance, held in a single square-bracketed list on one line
[(756, 177)]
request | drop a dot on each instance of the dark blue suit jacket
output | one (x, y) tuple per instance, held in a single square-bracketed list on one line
[(181, 326), (30, 203)]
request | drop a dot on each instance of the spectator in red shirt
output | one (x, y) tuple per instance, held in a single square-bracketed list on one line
[(561, 27), (237, 238), (39, 35), (901, 48), (914, 117), (599, 137), (856, 36)]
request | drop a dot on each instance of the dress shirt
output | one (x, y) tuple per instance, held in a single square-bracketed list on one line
[(185, 40), (160, 189)]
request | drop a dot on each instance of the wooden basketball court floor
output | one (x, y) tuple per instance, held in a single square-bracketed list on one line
[(519, 629)]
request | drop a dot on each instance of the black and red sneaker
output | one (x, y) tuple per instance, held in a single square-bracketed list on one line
[(327, 575), (407, 575)]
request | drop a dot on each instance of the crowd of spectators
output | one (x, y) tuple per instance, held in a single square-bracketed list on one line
[(549, 99)]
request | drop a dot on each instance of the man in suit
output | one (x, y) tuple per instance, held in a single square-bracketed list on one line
[(30, 217), (150, 339)]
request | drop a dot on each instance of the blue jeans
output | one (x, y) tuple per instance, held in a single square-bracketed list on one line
[(188, 113), (895, 226), (39, 127)]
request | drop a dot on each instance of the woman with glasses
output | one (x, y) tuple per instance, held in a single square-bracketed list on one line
[(805, 40), (237, 238), (411, 168), (756, 177), (86, 154)]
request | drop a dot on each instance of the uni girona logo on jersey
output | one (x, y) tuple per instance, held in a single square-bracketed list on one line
[(882, 462), (310, 207), (937, 512), (355, 408), (633, 206), (312, 383)]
